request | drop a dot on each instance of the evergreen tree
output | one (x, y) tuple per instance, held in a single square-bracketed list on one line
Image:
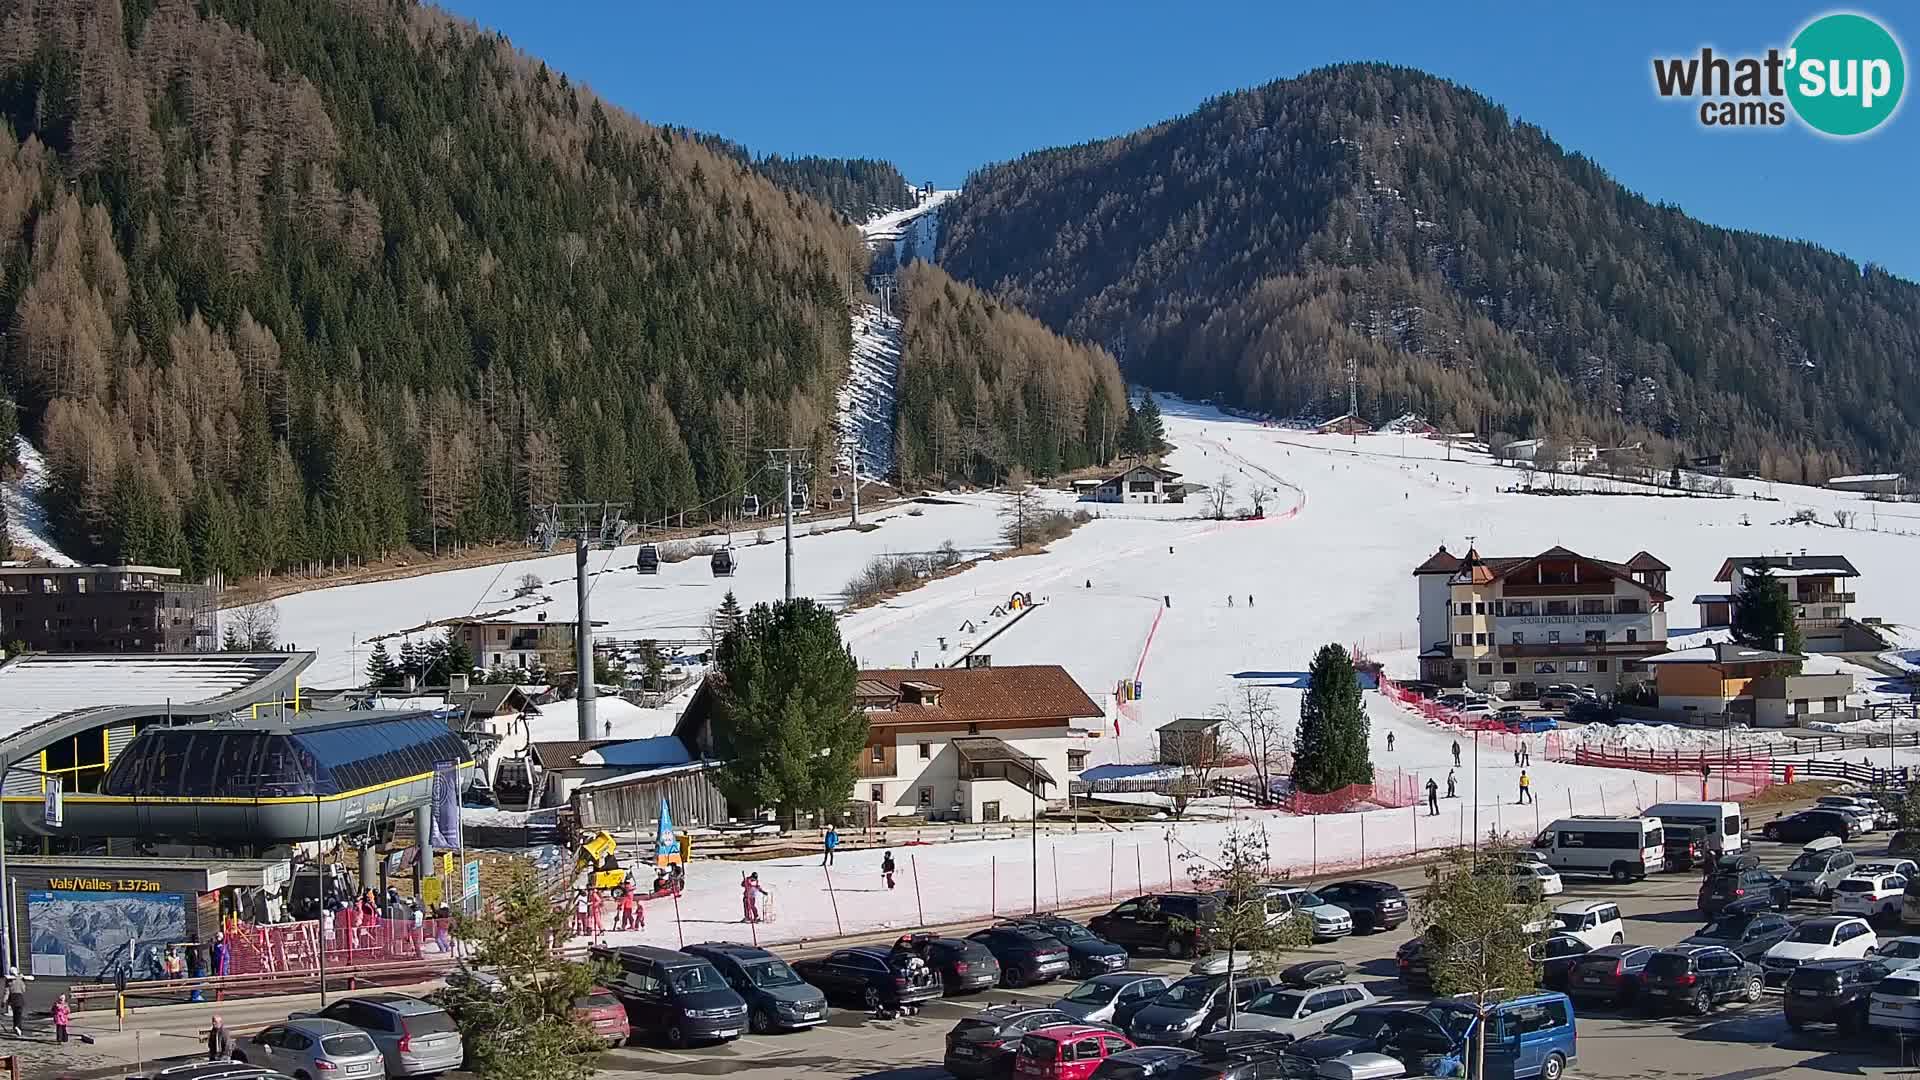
[(1330, 751), (1153, 429), (726, 616), (380, 667), (459, 658), (1763, 613), (786, 722), (409, 661)]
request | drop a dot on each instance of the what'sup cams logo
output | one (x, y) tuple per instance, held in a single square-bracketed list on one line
[(1842, 76)]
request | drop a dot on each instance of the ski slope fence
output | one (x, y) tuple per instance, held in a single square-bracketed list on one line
[(1488, 731), (1390, 788)]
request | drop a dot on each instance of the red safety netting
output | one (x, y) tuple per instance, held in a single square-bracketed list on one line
[(1391, 788), (257, 948), (1736, 775), (1489, 731)]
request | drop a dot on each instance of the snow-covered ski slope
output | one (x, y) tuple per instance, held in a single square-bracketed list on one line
[(914, 228), (26, 512)]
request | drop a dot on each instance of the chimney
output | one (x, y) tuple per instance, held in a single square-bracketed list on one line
[(543, 616), (1779, 643), (412, 683), (457, 682)]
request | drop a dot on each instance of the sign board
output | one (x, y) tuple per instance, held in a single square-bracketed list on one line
[(470, 895), (275, 875), (56, 811), (666, 842), (446, 864), (430, 891)]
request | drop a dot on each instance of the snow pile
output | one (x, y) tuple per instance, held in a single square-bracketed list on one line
[(1606, 738), (866, 398), (26, 512), (1900, 725), (1907, 660)]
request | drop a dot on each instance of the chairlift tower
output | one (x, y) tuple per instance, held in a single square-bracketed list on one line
[(783, 459), (587, 525)]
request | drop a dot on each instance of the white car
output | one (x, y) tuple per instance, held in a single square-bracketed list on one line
[(1594, 923), (1870, 895), (1546, 878), (1829, 937), (1906, 868), (1329, 921), (1900, 952), (1298, 1012), (1864, 811), (1895, 1004)]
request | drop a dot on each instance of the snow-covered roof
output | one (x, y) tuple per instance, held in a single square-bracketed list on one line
[(1722, 652), (38, 687), (1865, 478)]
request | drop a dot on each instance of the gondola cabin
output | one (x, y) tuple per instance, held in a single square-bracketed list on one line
[(723, 563), (648, 561)]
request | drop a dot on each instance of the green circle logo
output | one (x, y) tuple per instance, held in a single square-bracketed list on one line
[(1847, 74)]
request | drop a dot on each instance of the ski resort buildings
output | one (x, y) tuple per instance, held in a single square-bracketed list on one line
[(1820, 587), (1528, 622), (1139, 484), (105, 609)]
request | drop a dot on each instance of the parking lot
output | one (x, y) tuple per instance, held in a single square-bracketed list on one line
[(1737, 1042)]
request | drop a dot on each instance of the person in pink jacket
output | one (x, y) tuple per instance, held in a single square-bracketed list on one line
[(62, 1016)]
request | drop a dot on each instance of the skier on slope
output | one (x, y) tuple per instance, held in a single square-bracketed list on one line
[(1456, 753), (1389, 742)]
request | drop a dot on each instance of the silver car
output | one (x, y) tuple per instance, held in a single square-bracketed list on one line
[(1112, 998), (1300, 1012), (417, 1038), (312, 1048)]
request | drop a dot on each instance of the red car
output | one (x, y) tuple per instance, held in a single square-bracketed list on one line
[(1067, 1051), (604, 1013)]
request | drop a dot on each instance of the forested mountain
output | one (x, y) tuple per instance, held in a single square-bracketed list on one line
[(288, 281), (1473, 270), (983, 388), (857, 187)]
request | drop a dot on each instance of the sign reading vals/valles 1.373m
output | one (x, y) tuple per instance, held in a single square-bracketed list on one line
[(94, 884)]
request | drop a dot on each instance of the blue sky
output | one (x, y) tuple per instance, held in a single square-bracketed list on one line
[(940, 89)]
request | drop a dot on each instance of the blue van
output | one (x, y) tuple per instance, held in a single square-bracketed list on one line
[(1531, 1036)]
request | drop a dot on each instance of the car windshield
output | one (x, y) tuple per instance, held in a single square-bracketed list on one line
[(1569, 920), (772, 973), (1092, 992), (699, 977), (1812, 860), (1067, 931), (1726, 929), (1813, 934), (599, 999), (1282, 1003), (347, 1044), (1308, 899), (1901, 949), (1190, 992)]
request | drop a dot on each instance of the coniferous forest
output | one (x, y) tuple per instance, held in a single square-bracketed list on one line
[(1473, 271), (298, 281)]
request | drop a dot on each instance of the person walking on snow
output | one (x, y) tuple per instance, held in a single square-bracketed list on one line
[(1526, 785), (1389, 742), (1433, 798), (750, 894), (1451, 794), (1516, 755), (886, 868), (1229, 599), (1526, 753), (1456, 753), (828, 843)]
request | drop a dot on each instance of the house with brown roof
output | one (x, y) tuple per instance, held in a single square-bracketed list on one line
[(1819, 586), (962, 744), (1529, 622), (1139, 484)]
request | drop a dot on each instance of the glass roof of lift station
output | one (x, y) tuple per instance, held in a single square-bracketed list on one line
[(277, 759)]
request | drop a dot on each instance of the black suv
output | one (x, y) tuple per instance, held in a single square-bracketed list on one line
[(1748, 935), (1171, 922), (876, 978), (777, 998), (1555, 957), (962, 965), (1088, 954), (1727, 886), (1698, 977), (1836, 992), (1686, 847), (1027, 954), (984, 1045), (1374, 905), (1415, 966), (1809, 825)]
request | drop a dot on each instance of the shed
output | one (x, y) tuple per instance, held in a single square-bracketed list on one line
[(1191, 740)]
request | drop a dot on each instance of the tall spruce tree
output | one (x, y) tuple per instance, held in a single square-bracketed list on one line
[(1153, 429), (380, 667), (1763, 613), (1330, 751), (786, 720)]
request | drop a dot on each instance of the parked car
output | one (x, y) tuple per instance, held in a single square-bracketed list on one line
[(1748, 934), (210, 1070), (415, 1037), (1865, 811), (1900, 952), (1027, 954), (1554, 959), (1595, 922), (1294, 1012), (1894, 1004), (1530, 725), (1906, 868), (1190, 1008), (601, 1012), (1291, 901), (1169, 922), (1727, 887), (1592, 712), (1686, 847), (1870, 896), (777, 998), (313, 1046), (1821, 865), (1837, 992), (1416, 972), (960, 965), (1698, 977), (1112, 998), (876, 978), (673, 995), (1534, 881), (1067, 1052), (1560, 696), (1144, 1063), (1088, 953), (1373, 905), (1809, 825), (984, 1045), (1830, 937), (1610, 973)]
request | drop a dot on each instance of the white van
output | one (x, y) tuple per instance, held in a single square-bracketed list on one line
[(1622, 848), (1720, 823)]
